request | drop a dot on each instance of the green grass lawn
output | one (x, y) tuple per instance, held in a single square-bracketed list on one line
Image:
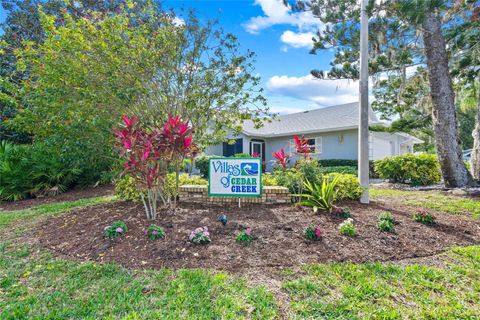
[(35, 285), (430, 200)]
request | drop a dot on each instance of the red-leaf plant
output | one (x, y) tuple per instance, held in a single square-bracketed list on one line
[(148, 155), (301, 146), (281, 157)]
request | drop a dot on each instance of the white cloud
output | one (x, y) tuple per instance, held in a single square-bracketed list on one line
[(321, 92), (275, 12), (297, 39)]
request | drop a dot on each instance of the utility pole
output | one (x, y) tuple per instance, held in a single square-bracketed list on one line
[(363, 154)]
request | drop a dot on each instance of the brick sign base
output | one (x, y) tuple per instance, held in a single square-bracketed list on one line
[(199, 194)]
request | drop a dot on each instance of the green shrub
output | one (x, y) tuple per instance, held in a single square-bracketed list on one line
[(347, 187), (291, 179), (309, 170), (245, 236), (338, 163), (421, 169), (32, 170), (170, 191), (269, 180), (424, 216), (242, 155), (386, 222), (201, 163), (340, 169), (126, 189)]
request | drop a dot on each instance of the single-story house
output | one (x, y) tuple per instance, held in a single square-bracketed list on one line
[(332, 133)]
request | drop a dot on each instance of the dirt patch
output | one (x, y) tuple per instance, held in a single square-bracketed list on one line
[(280, 243), (71, 195)]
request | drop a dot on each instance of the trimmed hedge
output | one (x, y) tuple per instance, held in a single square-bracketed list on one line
[(416, 169), (347, 163), (340, 169)]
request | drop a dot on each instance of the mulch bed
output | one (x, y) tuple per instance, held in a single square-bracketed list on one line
[(71, 195), (79, 235)]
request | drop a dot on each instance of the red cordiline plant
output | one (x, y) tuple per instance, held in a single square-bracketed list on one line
[(148, 155), (281, 158), (301, 146)]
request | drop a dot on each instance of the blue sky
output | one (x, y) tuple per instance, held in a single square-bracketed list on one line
[(281, 40)]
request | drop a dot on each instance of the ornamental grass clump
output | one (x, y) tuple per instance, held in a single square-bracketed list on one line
[(154, 232), (245, 236), (347, 228), (200, 236), (424, 216), (117, 228), (386, 222), (313, 232)]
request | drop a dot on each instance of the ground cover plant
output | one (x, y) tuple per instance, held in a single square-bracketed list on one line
[(117, 228), (245, 236), (424, 216), (200, 236), (386, 222), (313, 232), (342, 212), (347, 228), (154, 232)]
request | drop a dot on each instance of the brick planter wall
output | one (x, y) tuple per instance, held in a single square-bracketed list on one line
[(199, 194)]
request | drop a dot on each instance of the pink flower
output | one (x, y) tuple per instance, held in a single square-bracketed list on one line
[(248, 231), (318, 232), (155, 232), (119, 230), (145, 232)]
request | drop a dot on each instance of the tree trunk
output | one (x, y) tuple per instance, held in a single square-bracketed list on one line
[(454, 171), (476, 144)]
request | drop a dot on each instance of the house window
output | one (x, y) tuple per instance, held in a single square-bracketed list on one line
[(314, 145), (232, 149)]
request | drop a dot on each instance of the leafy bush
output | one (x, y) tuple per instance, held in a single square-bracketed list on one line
[(269, 180), (291, 179), (126, 188), (154, 232), (320, 195), (242, 155), (169, 189), (421, 169), (32, 170), (340, 169), (201, 163), (200, 236), (338, 162), (309, 169), (347, 228), (244, 236), (313, 232), (423, 216), (347, 186), (386, 222), (117, 228)]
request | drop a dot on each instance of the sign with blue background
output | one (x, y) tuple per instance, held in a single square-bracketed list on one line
[(235, 177)]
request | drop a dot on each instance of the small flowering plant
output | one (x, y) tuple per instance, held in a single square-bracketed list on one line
[(423, 216), (313, 232), (245, 236), (386, 222), (347, 228), (200, 236), (117, 228), (154, 232), (344, 212)]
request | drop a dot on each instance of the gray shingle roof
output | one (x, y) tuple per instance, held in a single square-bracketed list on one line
[(334, 118)]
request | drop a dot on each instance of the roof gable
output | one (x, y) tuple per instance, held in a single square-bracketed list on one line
[(334, 118)]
